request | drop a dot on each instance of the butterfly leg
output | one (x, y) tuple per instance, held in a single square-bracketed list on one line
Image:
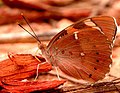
[(36, 77), (36, 56), (56, 69), (37, 72)]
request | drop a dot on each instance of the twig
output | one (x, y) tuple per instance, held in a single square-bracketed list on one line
[(94, 88), (24, 37)]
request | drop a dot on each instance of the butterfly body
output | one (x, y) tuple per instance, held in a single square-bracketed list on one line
[(83, 49)]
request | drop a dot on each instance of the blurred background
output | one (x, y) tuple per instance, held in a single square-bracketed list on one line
[(47, 18)]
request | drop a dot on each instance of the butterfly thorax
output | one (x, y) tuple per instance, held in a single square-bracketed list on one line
[(45, 53), (42, 46)]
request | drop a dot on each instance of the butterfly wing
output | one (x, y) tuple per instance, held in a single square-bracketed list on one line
[(106, 24), (83, 49)]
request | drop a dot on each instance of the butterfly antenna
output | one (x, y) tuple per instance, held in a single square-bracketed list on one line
[(35, 36)]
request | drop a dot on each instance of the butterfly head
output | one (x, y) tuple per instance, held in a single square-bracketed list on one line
[(42, 46)]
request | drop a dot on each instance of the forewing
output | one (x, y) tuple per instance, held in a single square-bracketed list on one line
[(106, 24)]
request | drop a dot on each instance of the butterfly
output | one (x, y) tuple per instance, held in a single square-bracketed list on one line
[(83, 50)]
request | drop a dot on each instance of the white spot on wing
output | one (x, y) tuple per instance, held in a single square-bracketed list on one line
[(93, 25), (89, 23), (76, 35), (82, 54), (98, 29)]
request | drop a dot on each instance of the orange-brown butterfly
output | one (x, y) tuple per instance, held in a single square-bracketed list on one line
[(83, 49)]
